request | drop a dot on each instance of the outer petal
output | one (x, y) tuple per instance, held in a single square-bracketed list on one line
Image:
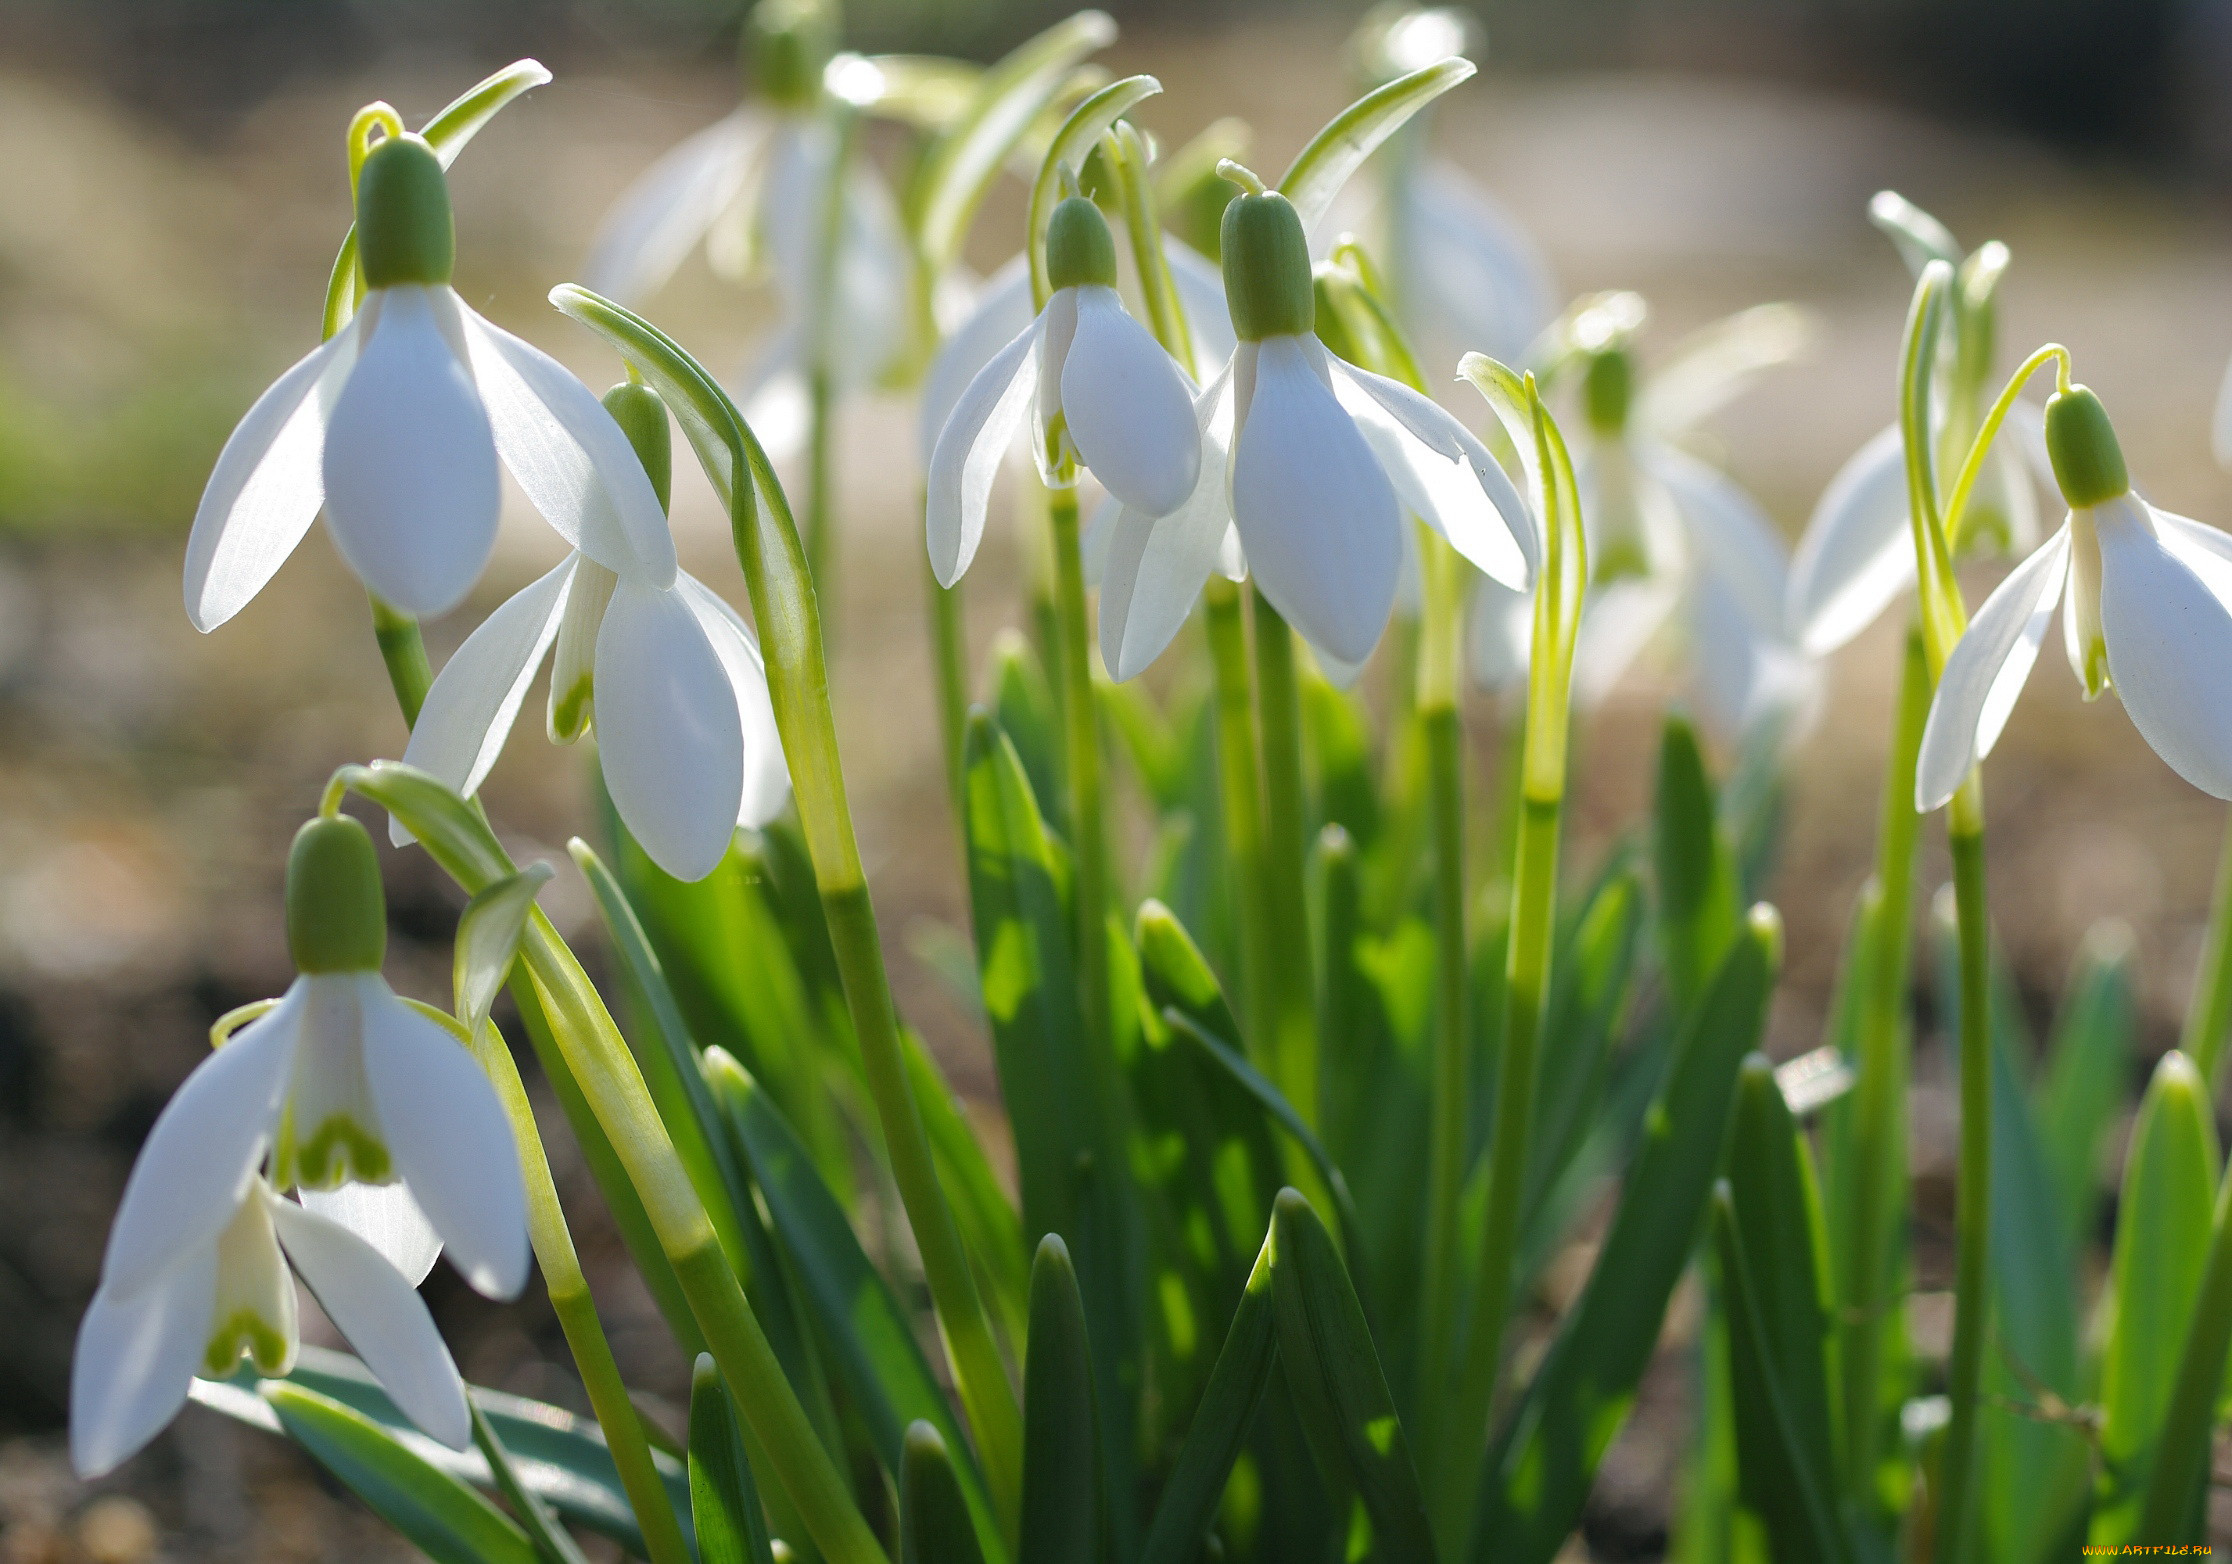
[(570, 456), (969, 449), (668, 733), (1856, 556), (2169, 634), (1315, 510), (1443, 473), (470, 709), (1002, 310), (1129, 408), (203, 1151), (1618, 621), (1986, 672), (383, 1317), (1714, 364), (1477, 277), (268, 483), (668, 209), (766, 772), (450, 1139), (411, 491), (387, 1217), (1200, 285), (1156, 568), (1729, 535), (135, 1358)]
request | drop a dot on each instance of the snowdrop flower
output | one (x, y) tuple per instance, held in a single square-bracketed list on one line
[(395, 426), (1313, 462), (2146, 600), (1095, 386), (670, 675), (226, 1292)]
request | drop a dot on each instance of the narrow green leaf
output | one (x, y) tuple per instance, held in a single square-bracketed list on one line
[(439, 1515), (981, 1209), (1545, 1459), (1334, 1375), (552, 1544), (1153, 741), (488, 934), (2176, 1505), (934, 1524), (1696, 872), (1338, 747), (2088, 1064), (1061, 1466), (724, 1500), (1334, 153), (2163, 1226), (1023, 704)]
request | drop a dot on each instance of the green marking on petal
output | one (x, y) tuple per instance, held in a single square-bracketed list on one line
[(245, 1333), (570, 710), (339, 1152)]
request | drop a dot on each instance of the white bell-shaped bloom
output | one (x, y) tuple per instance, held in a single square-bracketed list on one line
[(1093, 384), (229, 1293), (2146, 601), (395, 427)]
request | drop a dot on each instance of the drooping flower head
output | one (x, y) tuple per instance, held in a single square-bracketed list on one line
[(2146, 610)]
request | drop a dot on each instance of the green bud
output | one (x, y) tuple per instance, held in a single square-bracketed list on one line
[(642, 417), (1079, 248), (2088, 463), (1607, 388), (404, 231), (336, 909), (791, 42), (1267, 268)]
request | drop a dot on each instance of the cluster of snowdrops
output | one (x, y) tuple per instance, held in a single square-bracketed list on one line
[(1300, 1106)]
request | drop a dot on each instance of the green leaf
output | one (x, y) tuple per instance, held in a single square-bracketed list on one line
[(558, 1455), (1061, 1466), (2176, 1508), (1153, 741), (1546, 1457), (1334, 153), (435, 1512), (1920, 238), (551, 1543), (1333, 1373), (1220, 1424), (488, 934), (1086, 124), (2088, 1063), (1339, 750), (1769, 1239), (1023, 704), (934, 1523), (724, 1500), (989, 1226), (1696, 872), (961, 165), (2163, 1226)]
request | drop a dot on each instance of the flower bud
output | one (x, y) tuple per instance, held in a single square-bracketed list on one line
[(1607, 388), (1267, 268), (336, 908), (1079, 248), (791, 43), (642, 417), (2088, 463), (404, 231)]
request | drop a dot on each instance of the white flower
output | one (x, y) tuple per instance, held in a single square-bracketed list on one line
[(2146, 601), (670, 675), (395, 426), (1313, 463), (226, 1292), (1093, 383)]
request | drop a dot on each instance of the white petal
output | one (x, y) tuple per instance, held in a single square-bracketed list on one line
[(268, 483), (1986, 672), (386, 1216), (1443, 473), (766, 772), (668, 733), (135, 1358), (1001, 310), (411, 491), (1094, 540), (1199, 282), (1476, 276), (1315, 510), (1745, 678), (1128, 407), (570, 456), (1617, 622), (2169, 634), (383, 1317), (868, 317), (1500, 635), (1712, 365), (1728, 533), (968, 452), (668, 209), (1155, 568), (203, 1151), (476, 697), (450, 1139), (1857, 556), (1341, 675)]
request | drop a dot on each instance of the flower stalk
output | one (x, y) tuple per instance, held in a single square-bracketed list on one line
[(1290, 1025)]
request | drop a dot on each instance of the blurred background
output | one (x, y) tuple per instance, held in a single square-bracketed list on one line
[(174, 187)]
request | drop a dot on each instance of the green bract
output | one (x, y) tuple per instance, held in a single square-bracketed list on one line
[(2088, 461), (404, 231), (1267, 268), (336, 909), (1079, 248)]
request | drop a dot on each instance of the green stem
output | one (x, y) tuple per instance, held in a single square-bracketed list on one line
[(403, 649), (1239, 789), (1073, 654), (2209, 1014), (1291, 992), (949, 654), (821, 509), (821, 330), (1877, 1178), (1973, 1189), (2182, 1451)]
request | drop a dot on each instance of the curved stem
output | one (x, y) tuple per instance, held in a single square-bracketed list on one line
[(403, 650), (1972, 466)]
